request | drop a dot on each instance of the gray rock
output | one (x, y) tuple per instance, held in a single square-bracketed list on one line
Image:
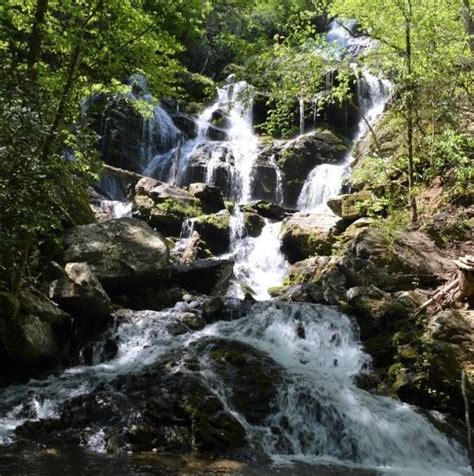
[(119, 252), (80, 293)]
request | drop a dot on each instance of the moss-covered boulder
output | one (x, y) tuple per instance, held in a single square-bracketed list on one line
[(199, 88), (253, 224), (164, 206), (351, 206), (214, 230), (307, 234)]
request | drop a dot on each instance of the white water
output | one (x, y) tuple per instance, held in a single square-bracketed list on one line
[(325, 180), (319, 416)]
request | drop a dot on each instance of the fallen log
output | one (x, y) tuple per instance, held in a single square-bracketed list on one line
[(122, 173), (460, 287)]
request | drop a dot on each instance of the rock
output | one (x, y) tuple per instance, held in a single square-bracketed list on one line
[(80, 293), (307, 234), (120, 126), (371, 306), (204, 276), (296, 159), (250, 376), (449, 346), (407, 261), (192, 320), (253, 224), (221, 119), (33, 334), (164, 206), (214, 230), (194, 249), (186, 124), (216, 155), (264, 184), (216, 133), (120, 252), (351, 206), (210, 197), (265, 209)]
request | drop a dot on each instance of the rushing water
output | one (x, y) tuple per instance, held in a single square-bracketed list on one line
[(320, 418), (322, 422), (325, 180)]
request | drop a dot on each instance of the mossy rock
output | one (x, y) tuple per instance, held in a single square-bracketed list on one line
[(253, 223), (214, 230), (352, 206)]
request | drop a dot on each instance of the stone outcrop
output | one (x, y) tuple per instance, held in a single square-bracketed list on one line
[(164, 206), (120, 252), (33, 333), (210, 197), (351, 206), (307, 234)]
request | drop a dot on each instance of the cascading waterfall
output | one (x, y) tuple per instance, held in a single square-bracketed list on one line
[(325, 180), (320, 416)]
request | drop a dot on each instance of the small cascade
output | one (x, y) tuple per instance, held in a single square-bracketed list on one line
[(301, 114), (323, 182)]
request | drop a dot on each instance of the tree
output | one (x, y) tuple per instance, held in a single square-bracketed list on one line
[(422, 44)]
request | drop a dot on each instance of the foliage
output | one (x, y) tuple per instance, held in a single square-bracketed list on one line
[(52, 55)]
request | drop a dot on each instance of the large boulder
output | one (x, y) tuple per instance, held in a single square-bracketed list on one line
[(34, 333), (120, 252), (129, 138), (265, 181), (164, 206), (405, 261), (214, 229), (206, 276), (210, 197), (265, 209), (307, 234), (351, 206), (79, 292)]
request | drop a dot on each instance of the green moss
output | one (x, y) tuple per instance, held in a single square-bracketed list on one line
[(170, 206), (231, 356), (220, 221)]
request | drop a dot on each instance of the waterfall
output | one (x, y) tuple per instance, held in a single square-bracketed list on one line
[(301, 114), (325, 180), (319, 415)]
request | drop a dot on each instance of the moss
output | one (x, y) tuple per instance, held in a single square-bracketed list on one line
[(170, 206), (220, 221), (231, 356)]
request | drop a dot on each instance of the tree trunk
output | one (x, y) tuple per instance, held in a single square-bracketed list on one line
[(36, 38), (410, 113), (468, 22)]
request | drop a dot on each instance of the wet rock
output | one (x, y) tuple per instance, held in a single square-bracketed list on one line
[(307, 234), (120, 252), (216, 133), (253, 224), (166, 407), (217, 156), (204, 276), (264, 183), (164, 206), (265, 209), (296, 158), (214, 229), (250, 376), (186, 124), (80, 293), (210, 197)]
